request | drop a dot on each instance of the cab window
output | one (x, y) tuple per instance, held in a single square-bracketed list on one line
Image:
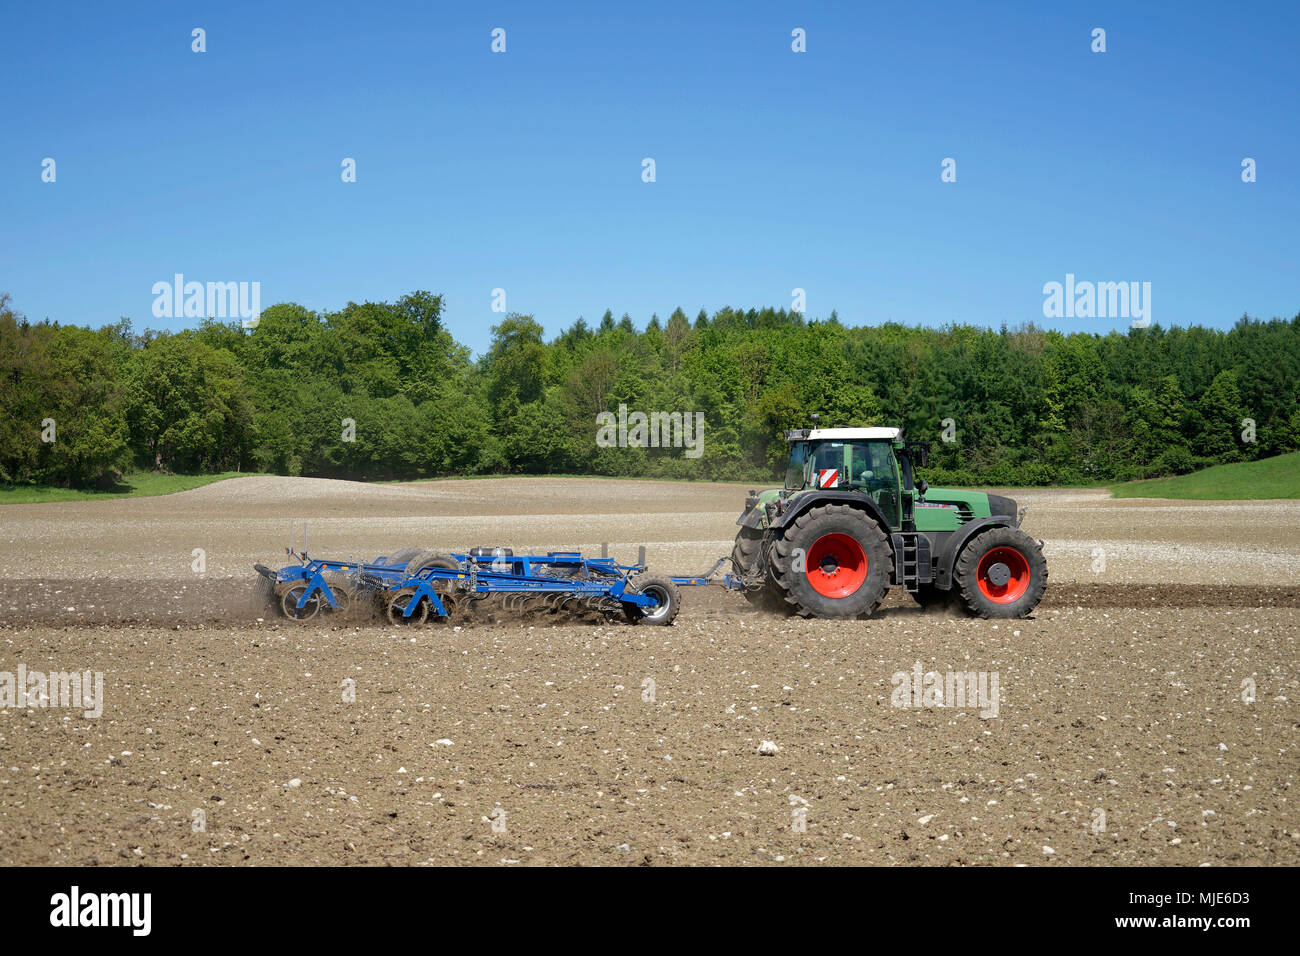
[(884, 481), (828, 455), (794, 470)]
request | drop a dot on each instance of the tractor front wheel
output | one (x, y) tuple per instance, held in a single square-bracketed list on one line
[(1001, 573), (833, 561)]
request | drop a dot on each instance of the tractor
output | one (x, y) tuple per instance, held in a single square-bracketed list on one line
[(853, 519)]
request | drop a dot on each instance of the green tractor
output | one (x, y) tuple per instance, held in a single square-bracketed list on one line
[(853, 519)]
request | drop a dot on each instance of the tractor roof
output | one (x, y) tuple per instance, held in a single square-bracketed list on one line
[(844, 434)]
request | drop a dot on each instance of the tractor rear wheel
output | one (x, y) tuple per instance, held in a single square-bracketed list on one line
[(1001, 573), (833, 561), (745, 561), (745, 552)]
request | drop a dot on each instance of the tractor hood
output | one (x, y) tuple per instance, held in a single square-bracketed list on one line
[(972, 504)]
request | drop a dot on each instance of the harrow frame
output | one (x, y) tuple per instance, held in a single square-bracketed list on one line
[(581, 578)]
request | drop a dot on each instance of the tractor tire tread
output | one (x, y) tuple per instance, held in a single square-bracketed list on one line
[(869, 536), (964, 573)]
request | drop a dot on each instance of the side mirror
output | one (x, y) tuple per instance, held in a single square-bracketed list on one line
[(923, 486)]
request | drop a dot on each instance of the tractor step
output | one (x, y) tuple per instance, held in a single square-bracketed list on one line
[(912, 566)]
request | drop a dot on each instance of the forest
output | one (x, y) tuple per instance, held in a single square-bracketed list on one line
[(383, 391)]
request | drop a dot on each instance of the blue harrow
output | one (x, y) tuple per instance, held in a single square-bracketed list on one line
[(411, 585)]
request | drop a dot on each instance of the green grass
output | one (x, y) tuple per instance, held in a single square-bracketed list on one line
[(1277, 477), (144, 484)]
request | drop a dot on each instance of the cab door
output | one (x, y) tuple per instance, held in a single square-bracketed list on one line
[(883, 485)]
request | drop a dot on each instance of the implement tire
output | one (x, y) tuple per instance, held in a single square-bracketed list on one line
[(399, 557), (289, 602), (429, 559), (663, 590)]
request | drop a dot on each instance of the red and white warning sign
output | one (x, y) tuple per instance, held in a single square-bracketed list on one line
[(828, 478)]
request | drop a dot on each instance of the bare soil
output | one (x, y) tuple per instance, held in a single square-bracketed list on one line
[(1146, 712)]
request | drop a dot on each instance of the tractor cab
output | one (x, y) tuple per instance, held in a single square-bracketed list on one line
[(848, 459)]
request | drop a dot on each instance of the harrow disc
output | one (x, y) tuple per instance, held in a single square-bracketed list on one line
[(342, 597), (451, 603), (289, 603), (397, 605)]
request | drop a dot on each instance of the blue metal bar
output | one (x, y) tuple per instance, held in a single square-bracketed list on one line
[(527, 575)]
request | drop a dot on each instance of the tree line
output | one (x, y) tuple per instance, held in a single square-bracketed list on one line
[(383, 391)]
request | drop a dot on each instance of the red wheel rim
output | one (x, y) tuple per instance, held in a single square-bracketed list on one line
[(1017, 584), (836, 565)]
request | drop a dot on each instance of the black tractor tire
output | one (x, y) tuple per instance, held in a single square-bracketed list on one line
[(1001, 573), (664, 590), (746, 557), (845, 568), (745, 552)]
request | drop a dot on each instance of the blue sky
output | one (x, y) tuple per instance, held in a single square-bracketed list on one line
[(774, 169)]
